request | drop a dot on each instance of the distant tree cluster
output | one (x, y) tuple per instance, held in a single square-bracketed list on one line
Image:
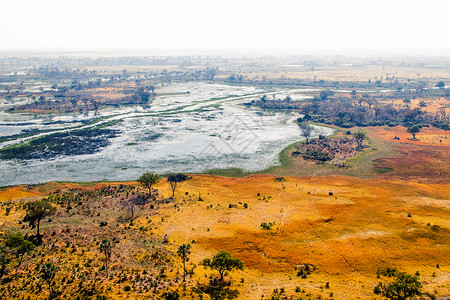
[(142, 95), (347, 112)]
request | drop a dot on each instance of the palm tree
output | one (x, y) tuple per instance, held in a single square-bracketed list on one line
[(48, 272), (183, 252), (105, 248)]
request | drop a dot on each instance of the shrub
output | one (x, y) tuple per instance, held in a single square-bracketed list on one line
[(378, 289), (316, 155), (266, 226)]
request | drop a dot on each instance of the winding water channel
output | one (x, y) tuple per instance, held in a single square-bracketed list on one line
[(207, 128)]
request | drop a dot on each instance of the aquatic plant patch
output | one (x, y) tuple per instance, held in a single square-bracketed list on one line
[(79, 142)]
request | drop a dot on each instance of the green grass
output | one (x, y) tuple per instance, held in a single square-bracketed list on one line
[(110, 123), (230, 172), (22, 144), (361, 166), (25, 135), (382, 170)]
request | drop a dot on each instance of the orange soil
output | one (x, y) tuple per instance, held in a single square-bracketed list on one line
[(425, 160), (426, 136)]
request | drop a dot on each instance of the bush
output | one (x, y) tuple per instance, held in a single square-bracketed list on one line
[(389, 272), (316, 155), (266, 226), (376, 123), (378, 289), (403, 287), (348, 125)]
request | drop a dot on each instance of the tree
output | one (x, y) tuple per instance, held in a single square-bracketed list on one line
[(174, 179), (36, 211), (325, 94), (440, 85), (18, 246), (130, 205), (183, 252), (359, 138), (148, 179), (413, 130), (306, 130), (48, 272), (223, 262), (4, 260), (141, 96), (210, 73), (105, 249), (403, 287)]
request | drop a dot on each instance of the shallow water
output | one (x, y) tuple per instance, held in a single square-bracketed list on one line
[(184, 133)]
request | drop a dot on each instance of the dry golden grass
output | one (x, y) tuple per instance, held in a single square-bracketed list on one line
[(427, 136), (348, 235), (16, 192), (350, 73)]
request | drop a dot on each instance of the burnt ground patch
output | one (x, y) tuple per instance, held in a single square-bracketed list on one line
[(79, 142), (420, 163)]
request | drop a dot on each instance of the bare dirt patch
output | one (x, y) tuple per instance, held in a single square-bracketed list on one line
[(426, 136)]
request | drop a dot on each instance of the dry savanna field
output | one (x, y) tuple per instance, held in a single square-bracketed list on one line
[(344, 228)]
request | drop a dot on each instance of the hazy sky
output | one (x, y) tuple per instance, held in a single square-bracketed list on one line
[(138, 25)]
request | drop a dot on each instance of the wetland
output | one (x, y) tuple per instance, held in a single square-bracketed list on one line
[(206, 128)]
